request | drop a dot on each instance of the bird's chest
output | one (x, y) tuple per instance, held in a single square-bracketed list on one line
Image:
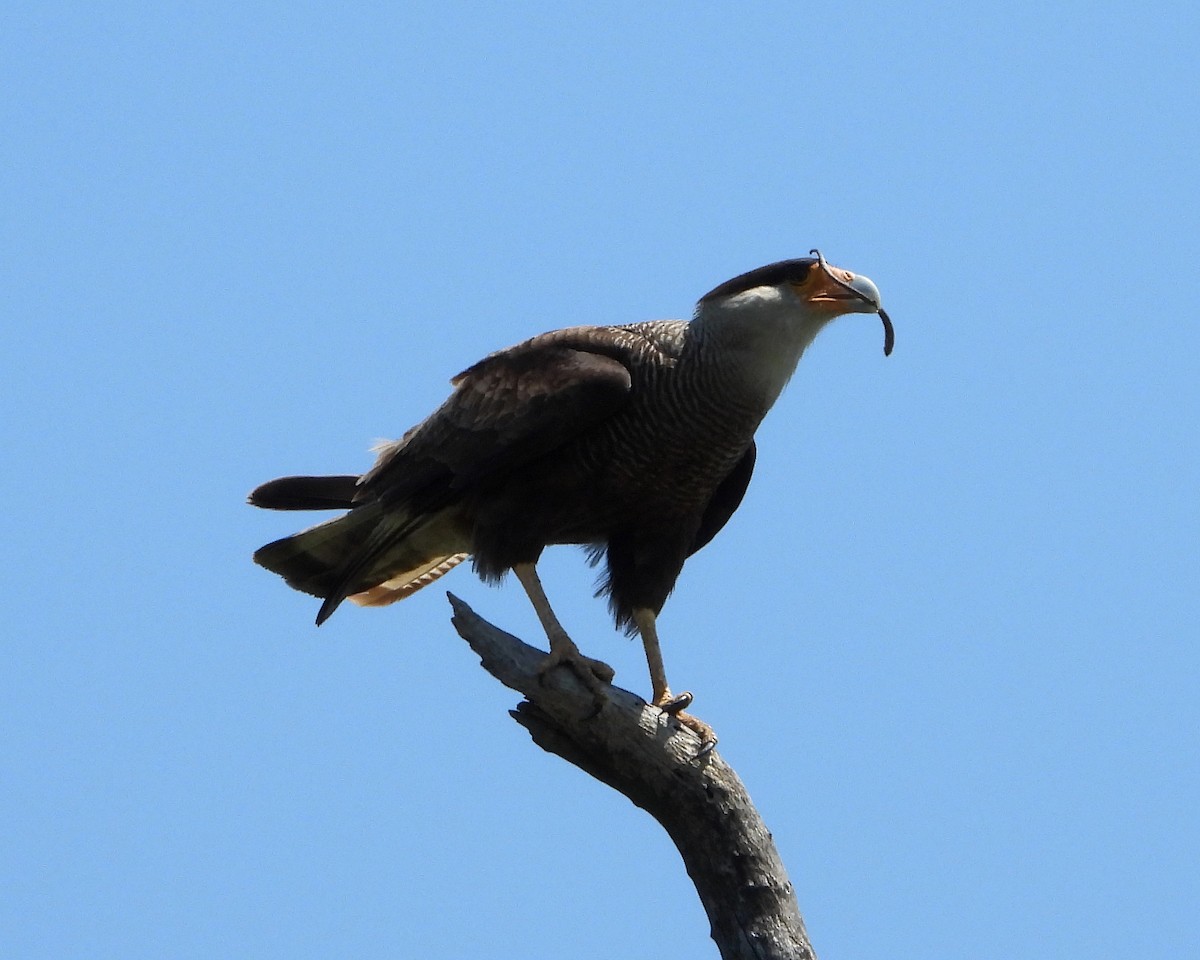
[(670, 448)]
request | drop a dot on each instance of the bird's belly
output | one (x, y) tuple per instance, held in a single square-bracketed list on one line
[(657, 489), (624, 477)]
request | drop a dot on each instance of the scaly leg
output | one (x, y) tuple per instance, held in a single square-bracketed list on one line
[(594, 674), (646, 622)]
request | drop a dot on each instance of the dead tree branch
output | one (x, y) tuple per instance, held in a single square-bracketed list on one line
[(641, 752)]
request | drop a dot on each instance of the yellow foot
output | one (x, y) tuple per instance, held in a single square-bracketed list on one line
[(674, 705), (596, 675)]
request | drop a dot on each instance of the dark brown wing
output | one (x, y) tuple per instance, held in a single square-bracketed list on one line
[(725, 500), (506, 410)]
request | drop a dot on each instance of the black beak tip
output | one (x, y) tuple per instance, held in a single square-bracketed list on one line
[(889, 334)]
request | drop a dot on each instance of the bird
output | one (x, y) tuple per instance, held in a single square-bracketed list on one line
[(634, 441)]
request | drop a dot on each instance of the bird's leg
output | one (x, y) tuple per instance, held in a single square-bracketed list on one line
[(674, 704), (593, 673)]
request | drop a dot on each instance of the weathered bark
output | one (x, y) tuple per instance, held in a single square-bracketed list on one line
[(650, 758)]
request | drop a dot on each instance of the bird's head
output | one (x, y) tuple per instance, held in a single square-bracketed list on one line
[(809, 290)]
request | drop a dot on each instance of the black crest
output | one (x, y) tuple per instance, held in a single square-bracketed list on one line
[(773, 274)]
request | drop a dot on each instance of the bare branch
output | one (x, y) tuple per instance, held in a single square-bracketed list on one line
[(650, 758)]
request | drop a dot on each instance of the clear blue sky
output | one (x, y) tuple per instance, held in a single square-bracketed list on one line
[(950, 641)]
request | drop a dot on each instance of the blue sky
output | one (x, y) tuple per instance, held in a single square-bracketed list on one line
[(949, 641)]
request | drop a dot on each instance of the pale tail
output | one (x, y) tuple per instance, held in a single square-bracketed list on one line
[(370, 555), (406, 584)]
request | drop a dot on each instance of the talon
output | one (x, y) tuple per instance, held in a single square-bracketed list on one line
[(593, 674), (590, 672), (706, 748), (681, 701), (708, 736)]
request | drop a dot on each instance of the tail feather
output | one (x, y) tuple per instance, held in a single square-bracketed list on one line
[(407, 583), (372, 555), (306, 493), (314, 560)]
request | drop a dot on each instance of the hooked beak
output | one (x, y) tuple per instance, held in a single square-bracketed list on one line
[(853, 293)]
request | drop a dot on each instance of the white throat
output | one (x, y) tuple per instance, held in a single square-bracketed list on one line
[(764, 332)]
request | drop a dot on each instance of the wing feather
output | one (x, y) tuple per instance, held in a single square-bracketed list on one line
[(510, 408), (507, 410), (725, 500)]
